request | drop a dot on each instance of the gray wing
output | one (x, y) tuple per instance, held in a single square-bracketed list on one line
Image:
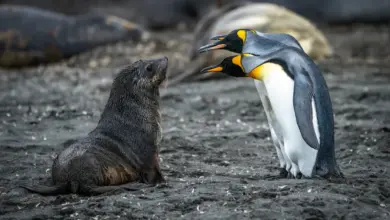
[(302, 100), (286, 39)]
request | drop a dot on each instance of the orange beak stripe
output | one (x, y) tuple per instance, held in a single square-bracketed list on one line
[(219, 46), (216, 69)]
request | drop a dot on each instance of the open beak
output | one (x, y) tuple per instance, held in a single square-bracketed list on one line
[(212, 46), (212, 69), (219, 37)]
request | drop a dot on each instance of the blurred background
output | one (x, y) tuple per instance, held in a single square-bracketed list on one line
[(168, 13)]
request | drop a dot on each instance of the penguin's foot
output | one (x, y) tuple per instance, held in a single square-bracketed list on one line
[(290, 175), (330, 172), (294, 171), (283, 172)]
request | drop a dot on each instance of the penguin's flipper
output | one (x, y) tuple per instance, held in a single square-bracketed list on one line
[(302, 100)]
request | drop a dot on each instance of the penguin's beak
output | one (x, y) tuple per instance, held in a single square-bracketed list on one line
[(212, 69), (212, 46), (219, 37)]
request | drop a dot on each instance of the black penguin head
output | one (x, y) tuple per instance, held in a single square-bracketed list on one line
[(230, 65), (143, 74), (234, 41)]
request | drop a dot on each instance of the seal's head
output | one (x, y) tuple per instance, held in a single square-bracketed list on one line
[(234, 41), (148, 74)]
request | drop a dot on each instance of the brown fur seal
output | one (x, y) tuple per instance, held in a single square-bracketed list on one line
[(262, 17), (123, 148)]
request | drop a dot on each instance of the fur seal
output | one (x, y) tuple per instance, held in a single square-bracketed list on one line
[(32, 35), (123, 148), (262, 17)]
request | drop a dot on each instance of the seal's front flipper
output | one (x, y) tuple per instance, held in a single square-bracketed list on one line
[(47, 190), (153, 176), (104, 189), (302, 99), (110, 189)]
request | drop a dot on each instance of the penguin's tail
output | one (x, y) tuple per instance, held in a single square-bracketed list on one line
[(328, 170), (47, 190)]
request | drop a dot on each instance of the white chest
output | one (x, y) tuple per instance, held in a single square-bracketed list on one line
[(280, 89)]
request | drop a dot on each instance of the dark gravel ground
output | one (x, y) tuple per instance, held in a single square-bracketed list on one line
[(216, 153)]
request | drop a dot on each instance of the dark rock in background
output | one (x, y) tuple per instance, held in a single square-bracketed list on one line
[(157, 14)]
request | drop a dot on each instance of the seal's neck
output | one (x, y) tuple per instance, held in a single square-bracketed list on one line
[(127, 110)]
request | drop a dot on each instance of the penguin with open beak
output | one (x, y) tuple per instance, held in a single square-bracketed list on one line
[(299, 99), (251, 41), (235, 42)]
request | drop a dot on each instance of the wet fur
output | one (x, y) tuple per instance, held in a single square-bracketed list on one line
[(123, 148)]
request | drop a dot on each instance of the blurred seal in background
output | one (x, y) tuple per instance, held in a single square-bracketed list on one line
[(262, 17), (30, 36)]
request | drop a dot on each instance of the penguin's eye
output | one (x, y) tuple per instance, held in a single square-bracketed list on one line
[(149, 68)]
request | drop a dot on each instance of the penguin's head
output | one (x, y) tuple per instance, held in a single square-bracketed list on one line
[(234, 41), (230, 66)]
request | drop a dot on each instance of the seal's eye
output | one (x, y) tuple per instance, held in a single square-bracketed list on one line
[(149, 68)]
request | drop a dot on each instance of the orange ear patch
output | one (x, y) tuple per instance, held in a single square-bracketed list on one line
[(237, 61)]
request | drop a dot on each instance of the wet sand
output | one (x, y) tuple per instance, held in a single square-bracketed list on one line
[(216, 154)]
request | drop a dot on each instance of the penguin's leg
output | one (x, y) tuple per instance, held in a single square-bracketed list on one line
[(307, 159), (275, 129), (302, 157), (290, 150), (278, 146), (294, 170), (287, 160)]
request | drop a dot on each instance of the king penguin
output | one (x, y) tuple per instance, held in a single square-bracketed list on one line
[(230, 42), (299, 104)]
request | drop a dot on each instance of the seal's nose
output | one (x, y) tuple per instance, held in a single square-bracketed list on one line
[(163, 62)]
